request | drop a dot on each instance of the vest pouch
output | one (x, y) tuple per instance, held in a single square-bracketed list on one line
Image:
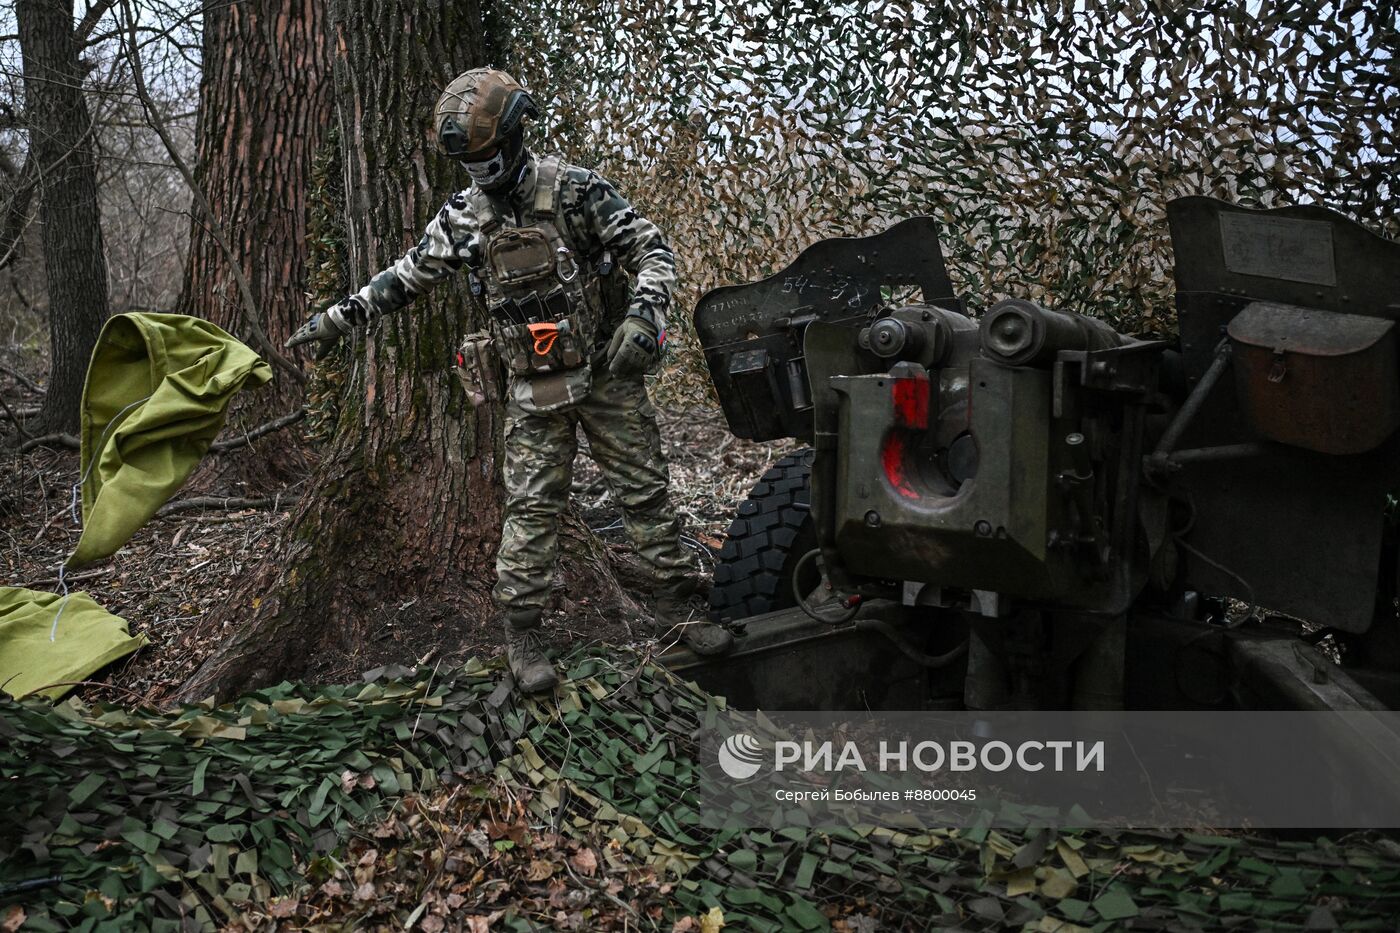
[(548, 392), (520, 255), (479, 368), (553, 305), (613, 295), (544, 347)]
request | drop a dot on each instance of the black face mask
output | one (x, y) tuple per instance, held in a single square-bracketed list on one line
[(502, 170)]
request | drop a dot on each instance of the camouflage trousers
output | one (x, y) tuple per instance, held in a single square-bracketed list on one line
[(620, 423)]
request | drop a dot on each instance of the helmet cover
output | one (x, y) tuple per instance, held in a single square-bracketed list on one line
[(478, 111)]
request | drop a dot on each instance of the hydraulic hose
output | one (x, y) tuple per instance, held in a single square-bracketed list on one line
[(909, 651), (872, 625), (852, 604)]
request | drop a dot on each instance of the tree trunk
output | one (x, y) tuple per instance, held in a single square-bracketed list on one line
[(405, 501), (60, 145), (264, 108)]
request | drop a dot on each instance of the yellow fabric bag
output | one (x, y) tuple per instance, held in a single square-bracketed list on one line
[(157, 390)]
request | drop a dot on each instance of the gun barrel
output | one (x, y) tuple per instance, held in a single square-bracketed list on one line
[(1022, 333)]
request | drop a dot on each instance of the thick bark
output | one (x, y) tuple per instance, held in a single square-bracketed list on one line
[(265, 106), (60, 145), (405, 500)]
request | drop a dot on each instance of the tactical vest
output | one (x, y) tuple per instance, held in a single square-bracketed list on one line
[(546, 302)]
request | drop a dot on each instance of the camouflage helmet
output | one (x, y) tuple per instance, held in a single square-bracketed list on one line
[(480, 110)]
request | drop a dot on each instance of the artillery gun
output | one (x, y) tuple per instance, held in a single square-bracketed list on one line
[(1032, 510)]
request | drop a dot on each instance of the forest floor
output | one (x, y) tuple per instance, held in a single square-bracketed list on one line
[(185, 562), (416, 860)]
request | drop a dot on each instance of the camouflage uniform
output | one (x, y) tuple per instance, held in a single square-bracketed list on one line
[(616, 416)]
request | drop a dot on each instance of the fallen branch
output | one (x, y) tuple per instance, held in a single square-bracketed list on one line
[(71, 577), (14, 418), (68, 440), (14, 415), (218, 519), (229, 503), (58, 513), (21, 377), (92, 683), (247, 437), (47, 440)]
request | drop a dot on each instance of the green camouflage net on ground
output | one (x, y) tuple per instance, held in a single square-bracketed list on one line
[(118, 818), (1046, 138)]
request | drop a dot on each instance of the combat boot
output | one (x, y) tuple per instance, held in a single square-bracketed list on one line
[(529, 665), (679, 607)]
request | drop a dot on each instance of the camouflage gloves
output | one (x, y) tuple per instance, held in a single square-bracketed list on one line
[(635, 348), (326, 328)]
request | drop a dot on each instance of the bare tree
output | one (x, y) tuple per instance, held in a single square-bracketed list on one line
[(61, 148)]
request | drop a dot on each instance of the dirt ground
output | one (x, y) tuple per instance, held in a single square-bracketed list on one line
[(182, 564)]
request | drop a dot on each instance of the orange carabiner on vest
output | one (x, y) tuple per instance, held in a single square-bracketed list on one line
[(545, 335)]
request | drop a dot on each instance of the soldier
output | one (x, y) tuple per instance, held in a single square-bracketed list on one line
[(551, 248)]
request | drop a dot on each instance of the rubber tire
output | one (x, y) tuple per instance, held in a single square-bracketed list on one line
[(770, 534)]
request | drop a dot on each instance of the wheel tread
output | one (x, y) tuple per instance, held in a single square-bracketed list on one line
[(759, 547)]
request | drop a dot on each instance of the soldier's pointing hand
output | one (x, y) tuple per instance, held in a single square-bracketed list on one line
[(325, 328)]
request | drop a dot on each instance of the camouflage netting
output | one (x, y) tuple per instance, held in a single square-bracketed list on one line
[(128, 818), (1046, 138)]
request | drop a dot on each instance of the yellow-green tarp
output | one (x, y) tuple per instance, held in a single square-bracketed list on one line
[(157, 390), (86, 639)]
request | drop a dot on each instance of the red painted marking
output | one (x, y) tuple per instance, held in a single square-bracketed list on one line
[(461, 361), (892, 458), (911, 397)]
